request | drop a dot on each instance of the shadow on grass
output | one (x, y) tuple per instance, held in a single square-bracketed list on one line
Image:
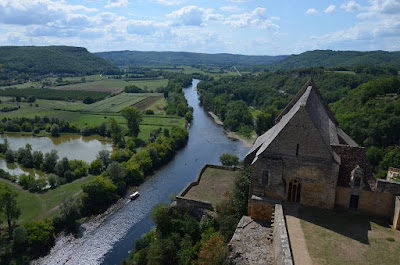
[(350, 224)]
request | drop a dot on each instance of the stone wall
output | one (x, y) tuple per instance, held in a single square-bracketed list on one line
[(283, 253), (370, 202), (194, 205), (396, 216), (190, 205), (261, 208), (388, 186)]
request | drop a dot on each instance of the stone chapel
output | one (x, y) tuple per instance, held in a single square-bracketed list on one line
[(307, 158)]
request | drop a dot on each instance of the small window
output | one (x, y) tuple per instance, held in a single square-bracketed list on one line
[(297, 150), (265, 176), (357, 182)]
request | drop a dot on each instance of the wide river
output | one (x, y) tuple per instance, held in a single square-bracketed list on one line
[(110, 240)]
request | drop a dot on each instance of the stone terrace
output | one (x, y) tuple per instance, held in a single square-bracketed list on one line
[(213, 186)]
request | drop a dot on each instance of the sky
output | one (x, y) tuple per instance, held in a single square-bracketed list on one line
[(250, 27)]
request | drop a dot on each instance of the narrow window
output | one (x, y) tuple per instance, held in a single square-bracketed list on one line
[(297, 150), (357, 182), (265, 175)]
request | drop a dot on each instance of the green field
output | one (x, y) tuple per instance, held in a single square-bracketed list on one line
[(151, 84), (116, 85), (118, 102), (40, 205)]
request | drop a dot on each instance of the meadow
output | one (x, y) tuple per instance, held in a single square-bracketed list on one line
[(41, 205)]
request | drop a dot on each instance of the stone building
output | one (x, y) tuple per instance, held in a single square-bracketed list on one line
[(307, 158)]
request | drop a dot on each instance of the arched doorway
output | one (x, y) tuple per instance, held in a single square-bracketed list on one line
[(294, 191)]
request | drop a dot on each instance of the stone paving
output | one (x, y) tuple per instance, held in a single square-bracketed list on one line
[(251, 244)]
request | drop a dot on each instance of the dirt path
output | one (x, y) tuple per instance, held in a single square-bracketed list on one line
[(301, 256)]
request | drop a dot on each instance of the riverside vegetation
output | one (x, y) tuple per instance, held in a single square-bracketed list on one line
[(132, 160)]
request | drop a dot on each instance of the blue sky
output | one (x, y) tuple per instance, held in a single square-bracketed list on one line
[(232, 26)]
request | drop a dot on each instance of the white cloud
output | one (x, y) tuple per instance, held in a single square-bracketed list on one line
[(171, 2), (117, 3), (36, 12), (257, 18), (351, 6), (381, 8), (188, 16), (143, 27), (383, 34), (229, 8), (330, 9), (311, 11)]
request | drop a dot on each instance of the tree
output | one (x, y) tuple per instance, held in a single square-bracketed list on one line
[(55, 130), (133, 116), (70, 212), (214, 251), (62, 166), (95, 167), (10, 209), (229, 159), (40, 236), (50, 160), (105, 157), (263, 123), (37, 159), (10, 156), (116, 172), (161, 217), (98, 194), (116, 132), (20, 238)]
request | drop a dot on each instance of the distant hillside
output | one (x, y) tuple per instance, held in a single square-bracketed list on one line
[(124, 58), (51, 59), (328, 58)]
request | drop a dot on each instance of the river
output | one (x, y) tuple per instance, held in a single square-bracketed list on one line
[(110, 240)]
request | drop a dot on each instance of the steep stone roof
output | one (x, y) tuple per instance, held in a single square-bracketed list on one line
[(322, 117)]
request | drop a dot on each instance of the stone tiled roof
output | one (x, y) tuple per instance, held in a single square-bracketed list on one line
[(322, 117)]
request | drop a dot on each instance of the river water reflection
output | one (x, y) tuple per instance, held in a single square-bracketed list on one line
[(110, 241)]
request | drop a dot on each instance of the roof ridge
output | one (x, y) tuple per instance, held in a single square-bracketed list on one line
[(299, 94)]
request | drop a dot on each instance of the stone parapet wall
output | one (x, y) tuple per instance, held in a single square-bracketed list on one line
[(283, 253), (388, 186), (194, 205), (190, 205)]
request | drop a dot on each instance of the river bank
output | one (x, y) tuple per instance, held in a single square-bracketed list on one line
[(110, 239), (232, 135)]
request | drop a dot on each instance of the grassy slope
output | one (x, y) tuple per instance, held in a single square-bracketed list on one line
[(40, 205)]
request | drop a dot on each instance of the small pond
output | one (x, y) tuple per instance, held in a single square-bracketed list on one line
[(70, 146)]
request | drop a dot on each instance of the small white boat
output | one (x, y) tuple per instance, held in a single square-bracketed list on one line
[(134, 195)]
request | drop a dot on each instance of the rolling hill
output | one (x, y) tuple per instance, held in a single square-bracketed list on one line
[(124, 58), (51, 59), (329, 58)]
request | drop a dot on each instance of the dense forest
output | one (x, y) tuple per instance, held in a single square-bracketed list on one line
[(364, 101), (23, 62), (125, 58), (329, 58), (325, 58)]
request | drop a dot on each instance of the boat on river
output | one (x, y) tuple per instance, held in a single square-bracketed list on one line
[(134, 195)]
